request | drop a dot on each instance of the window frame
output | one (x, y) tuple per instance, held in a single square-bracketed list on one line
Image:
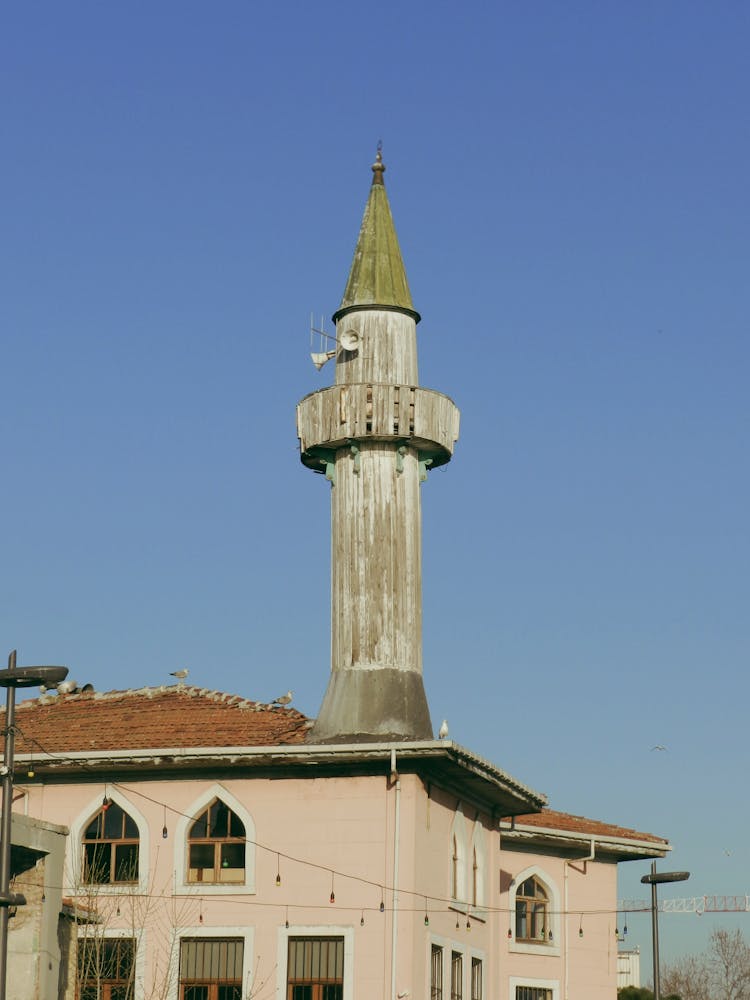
[(314, 931), (217, 844), (550, 945), (212, 984), (104, 987), (187, 816), (76, 867), (202, 932), (109, 845), (526, 982)]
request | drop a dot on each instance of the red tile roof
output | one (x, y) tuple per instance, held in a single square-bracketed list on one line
[(548, 819), (179, 716)]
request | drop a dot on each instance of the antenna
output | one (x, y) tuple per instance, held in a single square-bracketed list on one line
[(350, 340)]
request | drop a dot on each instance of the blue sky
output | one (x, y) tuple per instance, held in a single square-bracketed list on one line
[(183, 185)]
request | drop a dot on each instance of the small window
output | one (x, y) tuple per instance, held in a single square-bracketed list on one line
[(436, 973), (533, 993), (211, 968), (216, 847), (110, 847), (105, 968), (457, 975), (532, 912), (476, 979), (315, 968)]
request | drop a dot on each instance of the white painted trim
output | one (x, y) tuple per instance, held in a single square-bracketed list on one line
[(555, 908), (539, 984), (75, 860), (479, 844), (139, 984), (189, 815), (458, 834), (201, 931), (314, 930)]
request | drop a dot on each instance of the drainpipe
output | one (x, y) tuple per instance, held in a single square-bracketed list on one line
[(396, 781), (589, 857)]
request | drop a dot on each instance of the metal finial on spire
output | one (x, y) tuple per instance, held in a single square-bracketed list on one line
[(378, 167)]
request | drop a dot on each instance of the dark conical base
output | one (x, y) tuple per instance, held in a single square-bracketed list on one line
[(380, 705)]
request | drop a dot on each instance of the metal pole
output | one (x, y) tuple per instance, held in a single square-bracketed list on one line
[(654, 934), (5, 827)]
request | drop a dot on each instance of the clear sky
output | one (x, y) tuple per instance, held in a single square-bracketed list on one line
[(183, 184)]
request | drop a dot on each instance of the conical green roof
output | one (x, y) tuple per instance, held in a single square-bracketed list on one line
[(377, 277)]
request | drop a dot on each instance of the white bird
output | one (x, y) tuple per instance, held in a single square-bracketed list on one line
[(179, 674), (284, 699), (659, 746), (443, 731)]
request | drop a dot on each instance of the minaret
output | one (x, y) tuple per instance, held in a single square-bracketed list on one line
[(374, 435)]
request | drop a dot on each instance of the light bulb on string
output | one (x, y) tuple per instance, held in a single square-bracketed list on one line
[(580, 927), (457, 924), (426, 914), (278, 871), (332, 898), (468, 924), (286, 922), (362, 919), (164, 830), (510, 933)]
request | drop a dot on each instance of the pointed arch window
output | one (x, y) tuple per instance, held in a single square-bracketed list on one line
[(216, 846), (110, 847), (532, 912)]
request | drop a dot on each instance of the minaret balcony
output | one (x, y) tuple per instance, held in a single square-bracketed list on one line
[(335, 417)]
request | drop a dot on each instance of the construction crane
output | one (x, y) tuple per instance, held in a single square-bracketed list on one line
[(691, 904)]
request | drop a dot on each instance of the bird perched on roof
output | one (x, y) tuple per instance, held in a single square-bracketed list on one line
[(179, 674), (284, 699), (443, 731)]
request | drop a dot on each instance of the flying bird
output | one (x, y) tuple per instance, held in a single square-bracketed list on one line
[(443, 731), (284, 699), (659, 746)]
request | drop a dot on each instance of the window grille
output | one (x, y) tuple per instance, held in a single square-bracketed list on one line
[(211, 968), (315, 968)]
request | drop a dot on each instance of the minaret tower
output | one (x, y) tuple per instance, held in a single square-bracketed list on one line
[(374, 435)]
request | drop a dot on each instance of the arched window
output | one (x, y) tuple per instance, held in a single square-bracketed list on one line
[(110, 847), (455, 869), (216, 846), (532, 912)]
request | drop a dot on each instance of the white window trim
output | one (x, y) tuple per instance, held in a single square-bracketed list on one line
[(539, 984), (77, 829), (139, 936), (201, 931), (479, 954), (478, 844), (314, 930), (552, 947), (186, 820), (458, 832)]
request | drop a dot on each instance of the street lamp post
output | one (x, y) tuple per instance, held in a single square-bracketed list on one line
[(654, 879), (12, 678)]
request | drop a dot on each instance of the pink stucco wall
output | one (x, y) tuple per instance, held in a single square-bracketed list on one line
[(347, 825)]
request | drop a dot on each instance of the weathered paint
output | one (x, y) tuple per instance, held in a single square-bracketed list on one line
[(375, 433)]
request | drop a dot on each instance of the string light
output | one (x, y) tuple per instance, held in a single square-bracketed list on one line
[(510, 933), (164, 830), (580, 927), (278, 869), (382, 904), (286, 922), (362, 919), (333, 894), (426, 915)]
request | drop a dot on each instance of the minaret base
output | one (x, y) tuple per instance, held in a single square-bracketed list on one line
[(379, 705)]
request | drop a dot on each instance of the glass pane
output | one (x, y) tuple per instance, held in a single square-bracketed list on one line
[(113, 822), (219, 826), (195, 992), (126, 862), (97, 861), (233, 856), (200, 827), (236, 826), (333, 992), (229, 993), (301, 993), (202, 856), (93, 830)]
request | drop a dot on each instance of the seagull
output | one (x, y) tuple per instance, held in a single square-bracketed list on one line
[(659, 746), (284, 699), (179, 674), (443, 731)]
